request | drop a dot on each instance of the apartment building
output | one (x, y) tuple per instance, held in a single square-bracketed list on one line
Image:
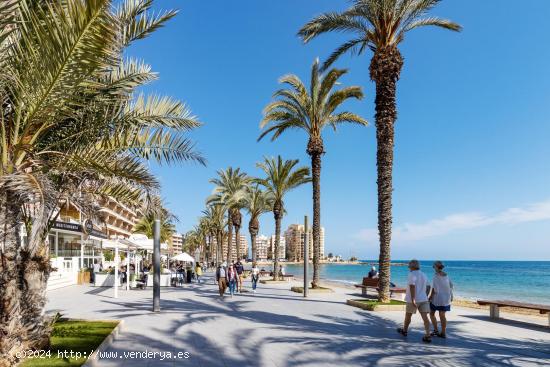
[(295, 238)]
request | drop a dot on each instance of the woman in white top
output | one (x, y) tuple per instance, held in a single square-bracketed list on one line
[(440, 298)]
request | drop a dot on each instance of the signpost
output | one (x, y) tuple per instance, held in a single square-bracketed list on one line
[(156, 266), (306, 258)]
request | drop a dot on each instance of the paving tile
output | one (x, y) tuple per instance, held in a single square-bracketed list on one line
[(277, 328)]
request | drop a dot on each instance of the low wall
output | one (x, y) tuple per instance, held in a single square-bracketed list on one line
[(108, 280)]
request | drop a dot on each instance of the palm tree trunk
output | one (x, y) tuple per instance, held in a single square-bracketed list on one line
[(229, 240), (315, 149), (238, 242), (253, 241), (35, 270), (384, 70), (276, 247), (219, 241), (11, 328), (253, 228)]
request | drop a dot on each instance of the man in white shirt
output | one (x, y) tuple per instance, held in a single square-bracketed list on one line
[(417, 299)]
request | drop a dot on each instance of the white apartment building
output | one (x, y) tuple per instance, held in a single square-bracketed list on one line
[(282, 248), (177, 244), (262, 247), (243, 247), (295, 238)]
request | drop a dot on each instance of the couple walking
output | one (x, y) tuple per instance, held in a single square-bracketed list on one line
[(232, 277), (428, 299)]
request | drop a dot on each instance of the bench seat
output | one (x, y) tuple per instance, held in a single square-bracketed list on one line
[(373, 283), (494, 307)]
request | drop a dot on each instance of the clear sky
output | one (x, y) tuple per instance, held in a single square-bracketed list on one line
[(472, 157)]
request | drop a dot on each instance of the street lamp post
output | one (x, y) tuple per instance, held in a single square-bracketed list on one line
[(306, 255), (156, 261)]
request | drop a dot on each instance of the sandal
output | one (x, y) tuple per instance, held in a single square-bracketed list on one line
[(402, 331), (441, 335), (434, 333), (427, 339)]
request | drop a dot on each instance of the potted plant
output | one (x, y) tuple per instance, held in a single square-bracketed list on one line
[(84, 276)]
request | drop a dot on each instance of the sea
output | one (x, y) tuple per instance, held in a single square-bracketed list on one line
[(525, 281)]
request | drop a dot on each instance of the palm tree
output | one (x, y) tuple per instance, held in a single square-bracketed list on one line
[(145, 224), (229, 191), (215, 216), (257, 202), (311, 110), (71, 123), (281, 177), (379, 25)]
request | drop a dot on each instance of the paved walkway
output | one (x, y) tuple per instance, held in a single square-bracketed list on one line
[(278, 328)]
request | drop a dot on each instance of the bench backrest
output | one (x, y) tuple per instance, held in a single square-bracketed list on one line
[(370, 282)]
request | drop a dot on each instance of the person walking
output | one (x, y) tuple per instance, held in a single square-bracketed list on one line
[(198, 272), (441, 297), (240, 273), (232, 279), (255, 274), (417, 299), (221, 278)]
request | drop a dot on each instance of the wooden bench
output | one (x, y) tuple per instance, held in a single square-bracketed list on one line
[(494, 307), (373, 283)]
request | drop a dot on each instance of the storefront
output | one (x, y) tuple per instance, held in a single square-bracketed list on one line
[(75, 246)]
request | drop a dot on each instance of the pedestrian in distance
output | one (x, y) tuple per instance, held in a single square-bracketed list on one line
[(255, 275), (232, 277), (221, 278)]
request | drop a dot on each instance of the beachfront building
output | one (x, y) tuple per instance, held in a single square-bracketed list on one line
[(243, 247), (262, 247), (282, 248), (76, 242), (295, 238), (177, 244)]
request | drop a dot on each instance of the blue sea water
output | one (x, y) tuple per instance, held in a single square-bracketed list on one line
[(527, 281)]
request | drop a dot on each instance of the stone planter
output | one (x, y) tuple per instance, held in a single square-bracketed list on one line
[(376, 307), (84, 277), (311, 290), (271, 281)]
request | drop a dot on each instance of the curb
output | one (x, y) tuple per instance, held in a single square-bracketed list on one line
[(93, 360)]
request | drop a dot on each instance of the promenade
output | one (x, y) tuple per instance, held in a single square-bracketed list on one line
[(278, 328)]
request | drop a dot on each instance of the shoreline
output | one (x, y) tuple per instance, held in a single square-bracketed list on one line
[(460, 302)]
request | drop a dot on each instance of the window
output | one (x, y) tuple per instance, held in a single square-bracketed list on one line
[(51, 241), (68, 244)]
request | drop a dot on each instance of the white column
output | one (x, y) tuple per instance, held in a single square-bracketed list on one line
[(81, 253), (128, 269), (116, 270)]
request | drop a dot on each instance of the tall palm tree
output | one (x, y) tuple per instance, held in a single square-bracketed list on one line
[(229, 191), (70, 122), (146, 223), (257, 202), (280, 178), (379, 25), (215, 215), (311, 110)]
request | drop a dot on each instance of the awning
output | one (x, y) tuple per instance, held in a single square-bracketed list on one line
[(184, 256)]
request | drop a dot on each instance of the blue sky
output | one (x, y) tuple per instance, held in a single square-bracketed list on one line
[(472, 171)]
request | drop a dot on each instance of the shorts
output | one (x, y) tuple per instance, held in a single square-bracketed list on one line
[(423, 307), (440, 308)]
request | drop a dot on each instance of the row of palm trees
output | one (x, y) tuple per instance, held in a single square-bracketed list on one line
[(234, 191), (376, 25), (73, 127)]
